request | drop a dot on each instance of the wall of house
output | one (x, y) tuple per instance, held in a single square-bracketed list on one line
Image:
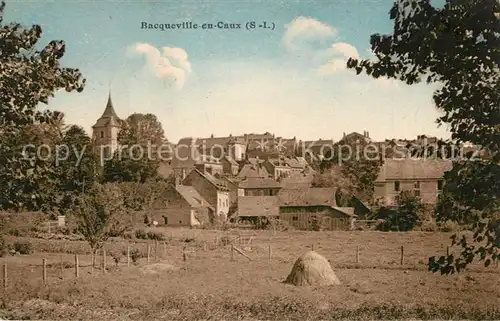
[(241, 192), (428, 190), (314, 218), (200, 216), (206, 189), (223, 203), (238, 151), (176, 216), (261, 191)]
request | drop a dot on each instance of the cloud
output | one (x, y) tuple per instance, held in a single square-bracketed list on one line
[(339, 52), (303, 29), (171, 63)]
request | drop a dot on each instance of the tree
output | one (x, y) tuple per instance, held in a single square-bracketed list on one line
[(407, 214), (27, 77), (457, 46), (79, 167), (359, 165), (98, 213), (141, 136)]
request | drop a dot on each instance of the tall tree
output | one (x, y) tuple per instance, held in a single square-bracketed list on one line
[(457, 46), (141, 138), (28, 77), (78, 167)]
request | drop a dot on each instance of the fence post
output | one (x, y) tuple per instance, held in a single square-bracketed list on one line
[(128, 256), (149, 252), (44, 270), (312, 247), (447, 251), (232, 252), (5, 275), (184, 257), (156, 250), (77, 266), (357, 254), (164, 250), (62, 267), (269, 253), (103, 260), (402, 255)]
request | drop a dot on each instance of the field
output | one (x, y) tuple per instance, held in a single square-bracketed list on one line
[(211, 283)]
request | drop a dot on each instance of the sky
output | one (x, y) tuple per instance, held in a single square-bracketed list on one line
[(288, 79)]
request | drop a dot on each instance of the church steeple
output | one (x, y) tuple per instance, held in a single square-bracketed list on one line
[(109, 111)]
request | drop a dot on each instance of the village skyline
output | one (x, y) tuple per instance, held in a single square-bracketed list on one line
[(290, 80)]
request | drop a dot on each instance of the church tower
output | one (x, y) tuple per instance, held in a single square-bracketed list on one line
[(105, 130)]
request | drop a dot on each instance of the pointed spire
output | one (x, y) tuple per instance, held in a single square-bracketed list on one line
[(109, 111)]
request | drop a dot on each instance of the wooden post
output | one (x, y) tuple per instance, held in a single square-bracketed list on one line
[(77, 266), (103, 260), (62, 267), (156, 250), (184, 257), (204, 246), (402, 255), (447, 251), (312, 247), (164, 250), (357, 254), (48, 225), (269, 253), (232, 252), (44, 270), (149, 253), (128, 256), (5, 275)]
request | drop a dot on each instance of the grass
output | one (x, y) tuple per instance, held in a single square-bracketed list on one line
[(209, 285)]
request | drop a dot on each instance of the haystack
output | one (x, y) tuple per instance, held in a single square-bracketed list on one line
[(312, 269)]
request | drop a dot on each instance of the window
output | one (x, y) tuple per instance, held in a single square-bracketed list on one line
[(397, 186), (102, 134), (416, 187), (295, 218), (440, 185)]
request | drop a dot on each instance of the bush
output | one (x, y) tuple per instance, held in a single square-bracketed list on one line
[(135, 254), (429, 226), (449, 226), (225, 240), (141, 234), (3, 247), (23, 247), (116, 255), (155, 236)]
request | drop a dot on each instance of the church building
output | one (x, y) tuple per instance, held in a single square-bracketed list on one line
[(105, 131)]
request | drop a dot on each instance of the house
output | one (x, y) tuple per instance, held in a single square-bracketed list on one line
[(219, 147), (423, 176), (252, 170), (257, 186), (278, 168), (232, 184), (313, 209), (186, 156), (315, 149), (214, 190), (356, 138), (298, 180), (181, 206), (230, 166), (258, 206), (209, 164)]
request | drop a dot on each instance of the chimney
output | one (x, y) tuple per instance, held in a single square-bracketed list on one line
[(367, 135), (343, 136), (212, 136)]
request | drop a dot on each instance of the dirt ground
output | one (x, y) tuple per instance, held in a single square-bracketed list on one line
[(189, 277)]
